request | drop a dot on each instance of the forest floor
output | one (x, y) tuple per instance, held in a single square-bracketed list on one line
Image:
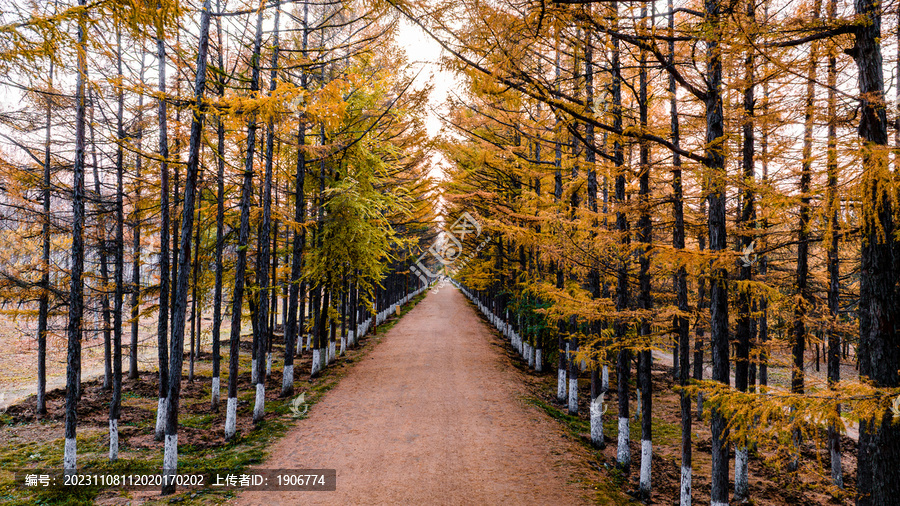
[(437, 409), (29, 443), (436, 414), (770, 484)]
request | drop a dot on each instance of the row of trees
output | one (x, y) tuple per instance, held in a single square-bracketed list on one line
[(270, 151), (713, 177)]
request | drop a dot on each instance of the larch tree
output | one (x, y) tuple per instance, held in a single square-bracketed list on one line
[(162, 331), (76, 291), (170, 458)]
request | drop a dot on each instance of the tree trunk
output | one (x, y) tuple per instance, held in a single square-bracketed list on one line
[(170, 458), (562, 349), (44, 303), (76, 289), (680, 322), (799, 331), (879, 322), (645, 301), (745, 273), (763, 330), (718, 243), (220, 227), (136, 238), (293, 328), (163, 316), (243, 238), (833, 260), (195, 321), (702, 304), (116, 401), (103, 289), (264, 240), (623, 364)]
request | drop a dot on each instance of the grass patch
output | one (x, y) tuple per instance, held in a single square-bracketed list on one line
[(196, 421), (608, 490), (663, 432)]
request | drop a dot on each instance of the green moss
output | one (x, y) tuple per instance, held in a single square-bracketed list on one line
[(608, 491), (196, 421)]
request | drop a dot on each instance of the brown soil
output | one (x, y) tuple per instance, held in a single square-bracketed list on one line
[(434, 415)]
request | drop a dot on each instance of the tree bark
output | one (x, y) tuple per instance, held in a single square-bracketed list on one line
[(645, 300), (162, 329), (680, 322), (243, 239), (170, 458), (220, 226), (623, 363), (103, 289), (718, 243), (135, 288), (293, 327), (44, 303), (879, 322), (264, 239), (745, 272), (76, 287), (116, 401), (562, 349), (833, 259)]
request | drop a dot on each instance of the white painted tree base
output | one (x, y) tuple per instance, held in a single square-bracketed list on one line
[(230, 417), (259, 407), (343, 346), (69, 455), (741, 484), (215, 393), (686, 485), (161, 408), (597, 408), (561, 385), (623, 453), (113, 440), (331, 351), (287, 379), (538, 365), (315, 363), (646, 460), (170, 456), (573, 396)]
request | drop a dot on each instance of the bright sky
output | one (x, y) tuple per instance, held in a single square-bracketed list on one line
[(423, 52)]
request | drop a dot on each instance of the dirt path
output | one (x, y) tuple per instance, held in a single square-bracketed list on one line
[(433, 415)]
